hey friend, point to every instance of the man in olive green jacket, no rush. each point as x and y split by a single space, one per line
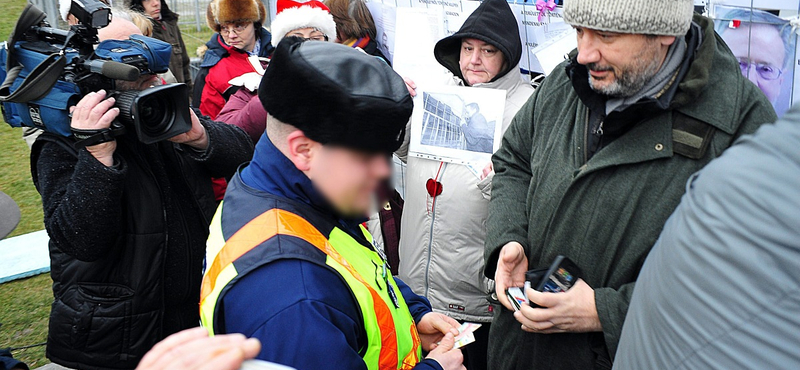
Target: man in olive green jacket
594 164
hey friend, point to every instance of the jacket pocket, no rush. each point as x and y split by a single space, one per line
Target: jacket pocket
102 324
103 312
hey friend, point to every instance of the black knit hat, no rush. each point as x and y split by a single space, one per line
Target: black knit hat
336 95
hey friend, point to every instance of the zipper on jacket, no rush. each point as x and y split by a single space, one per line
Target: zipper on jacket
586 138
166 238
430 237
598 132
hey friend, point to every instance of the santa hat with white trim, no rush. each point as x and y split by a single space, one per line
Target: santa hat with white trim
292 15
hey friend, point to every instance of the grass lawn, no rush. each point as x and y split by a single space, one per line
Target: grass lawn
194 39
25 304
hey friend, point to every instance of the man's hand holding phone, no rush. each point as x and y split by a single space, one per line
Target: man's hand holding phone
553 299
511 267
573 311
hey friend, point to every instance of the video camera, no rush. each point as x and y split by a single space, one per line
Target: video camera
46 70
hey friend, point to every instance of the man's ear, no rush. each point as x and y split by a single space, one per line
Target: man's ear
300 150
667 40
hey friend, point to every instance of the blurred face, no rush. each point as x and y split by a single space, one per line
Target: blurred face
479 62
620 64
760 52
308 34
347 178
152 8
239 35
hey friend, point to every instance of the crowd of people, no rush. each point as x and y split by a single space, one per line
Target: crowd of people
641 158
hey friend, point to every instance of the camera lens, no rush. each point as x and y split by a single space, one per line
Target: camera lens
156 114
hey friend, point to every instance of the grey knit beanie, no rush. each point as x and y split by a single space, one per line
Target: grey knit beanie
650 17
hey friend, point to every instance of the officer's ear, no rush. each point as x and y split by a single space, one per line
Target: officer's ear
301 150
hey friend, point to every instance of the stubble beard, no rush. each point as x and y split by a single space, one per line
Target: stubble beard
631 78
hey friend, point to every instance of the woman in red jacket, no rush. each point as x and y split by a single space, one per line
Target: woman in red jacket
241 45
311 21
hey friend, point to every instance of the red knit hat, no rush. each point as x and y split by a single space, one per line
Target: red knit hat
292 15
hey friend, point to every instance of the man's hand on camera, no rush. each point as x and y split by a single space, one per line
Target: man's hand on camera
196 137
95 113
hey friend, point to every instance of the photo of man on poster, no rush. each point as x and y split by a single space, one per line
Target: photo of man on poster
764 44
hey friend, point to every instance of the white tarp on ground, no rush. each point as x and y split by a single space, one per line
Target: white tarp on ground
24 256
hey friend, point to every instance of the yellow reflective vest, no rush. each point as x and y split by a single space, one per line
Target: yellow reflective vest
247 231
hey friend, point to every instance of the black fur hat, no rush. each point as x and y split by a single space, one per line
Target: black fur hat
336 95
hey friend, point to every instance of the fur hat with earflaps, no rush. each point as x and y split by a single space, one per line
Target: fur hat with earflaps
220 12
292 15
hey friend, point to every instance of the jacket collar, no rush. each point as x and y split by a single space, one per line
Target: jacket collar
714 65
509 82
271 172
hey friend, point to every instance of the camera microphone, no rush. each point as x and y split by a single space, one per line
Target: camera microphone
114 70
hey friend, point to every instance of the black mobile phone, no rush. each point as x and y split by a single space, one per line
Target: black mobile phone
559 277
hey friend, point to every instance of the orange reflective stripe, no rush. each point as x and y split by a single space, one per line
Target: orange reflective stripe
279 222
413 357
248 237
388 355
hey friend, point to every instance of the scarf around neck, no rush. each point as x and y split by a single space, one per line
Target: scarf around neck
357 43
658 83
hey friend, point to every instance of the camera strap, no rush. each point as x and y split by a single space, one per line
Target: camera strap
87 137
37 84
39 81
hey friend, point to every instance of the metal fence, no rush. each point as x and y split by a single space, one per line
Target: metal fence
192 12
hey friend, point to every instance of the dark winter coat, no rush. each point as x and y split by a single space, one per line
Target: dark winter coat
168 31
127 242
606 213
220 64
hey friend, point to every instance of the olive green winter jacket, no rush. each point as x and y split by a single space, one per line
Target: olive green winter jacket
606 213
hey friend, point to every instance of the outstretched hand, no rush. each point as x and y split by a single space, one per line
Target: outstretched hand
433 327
511 267
193 349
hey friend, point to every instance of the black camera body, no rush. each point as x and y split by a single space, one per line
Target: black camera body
46 70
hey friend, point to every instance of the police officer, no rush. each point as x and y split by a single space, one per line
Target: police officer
288 261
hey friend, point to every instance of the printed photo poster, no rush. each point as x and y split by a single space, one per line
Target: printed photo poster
538 29
765 46
384 15
456 13
519 13
457 124
757 4
417 31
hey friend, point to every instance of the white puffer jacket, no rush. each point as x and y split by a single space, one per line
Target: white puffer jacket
441 244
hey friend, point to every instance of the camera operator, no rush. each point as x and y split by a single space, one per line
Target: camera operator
128 224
